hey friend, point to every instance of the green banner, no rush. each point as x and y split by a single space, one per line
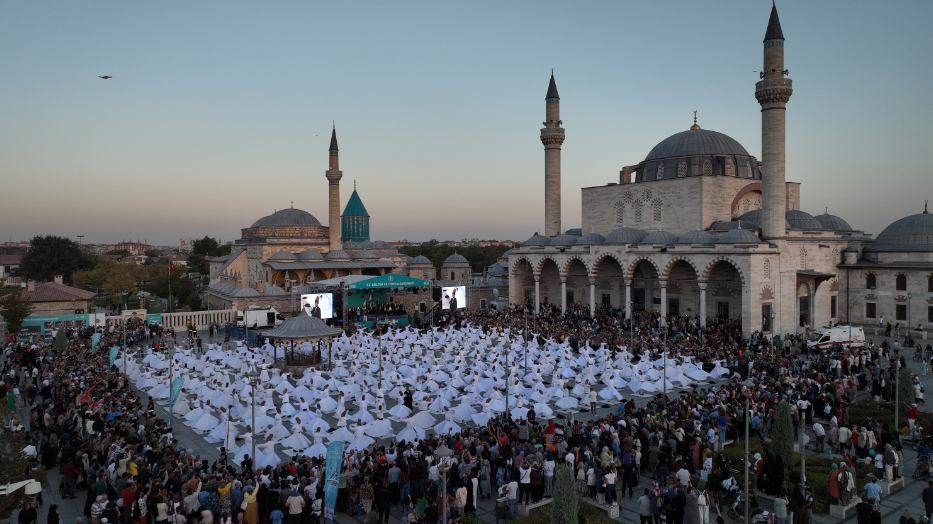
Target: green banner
389 281
153 319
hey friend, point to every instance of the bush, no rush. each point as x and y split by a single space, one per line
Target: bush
565 504
586 514
782 436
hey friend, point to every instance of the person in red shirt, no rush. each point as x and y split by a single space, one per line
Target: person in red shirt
911 415
129 496
68 473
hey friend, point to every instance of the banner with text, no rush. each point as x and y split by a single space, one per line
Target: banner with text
332 478
176 390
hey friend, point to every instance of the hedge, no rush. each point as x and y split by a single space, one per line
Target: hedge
818 470
588 514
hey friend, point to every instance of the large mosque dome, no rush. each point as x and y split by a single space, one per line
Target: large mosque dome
694 142
913 233
290 217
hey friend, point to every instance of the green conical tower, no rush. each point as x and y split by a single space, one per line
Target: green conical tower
354 223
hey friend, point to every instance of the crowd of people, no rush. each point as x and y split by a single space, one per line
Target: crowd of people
103 438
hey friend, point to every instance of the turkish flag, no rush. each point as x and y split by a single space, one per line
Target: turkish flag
171 267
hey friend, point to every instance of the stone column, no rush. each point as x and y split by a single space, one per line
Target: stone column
563 294
663 284
537 294
592 296
702 286
628 299
552 136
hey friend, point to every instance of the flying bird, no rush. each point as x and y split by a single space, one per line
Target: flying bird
105 77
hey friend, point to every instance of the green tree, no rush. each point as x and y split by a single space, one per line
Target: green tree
61 342
50 255
201 250
153 253
565 502
782 435
15 310
905 392
13 467
120 280
119 252
194 302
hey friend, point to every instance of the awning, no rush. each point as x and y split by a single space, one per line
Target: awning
806 274
303 327
389 281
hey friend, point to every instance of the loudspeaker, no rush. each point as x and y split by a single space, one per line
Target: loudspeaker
436 294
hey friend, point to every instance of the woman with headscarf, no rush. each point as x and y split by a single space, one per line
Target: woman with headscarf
832 482
629 475
759 470
656 496
252 506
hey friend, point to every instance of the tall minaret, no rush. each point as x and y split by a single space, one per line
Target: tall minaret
333 207
773 92
552 136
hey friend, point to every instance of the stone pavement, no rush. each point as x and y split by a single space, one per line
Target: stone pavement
892 505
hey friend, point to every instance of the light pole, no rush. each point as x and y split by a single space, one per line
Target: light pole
664 365
631 327
253 376
747 394
803 455
443 452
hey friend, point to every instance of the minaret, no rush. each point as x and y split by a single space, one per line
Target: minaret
333 207
773 92
552 136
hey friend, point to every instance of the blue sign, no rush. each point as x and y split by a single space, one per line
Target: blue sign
332 477
114 351
154 319
176 390
95 340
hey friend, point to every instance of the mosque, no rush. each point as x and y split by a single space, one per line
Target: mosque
702 227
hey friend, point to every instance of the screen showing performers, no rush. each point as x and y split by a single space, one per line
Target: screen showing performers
453 297
319 305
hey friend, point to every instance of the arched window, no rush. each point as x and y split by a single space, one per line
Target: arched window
767 269
660 170
803 259
730 167
656 203
900 283
453 276
748 169
620 213
707 168
682 169
870 281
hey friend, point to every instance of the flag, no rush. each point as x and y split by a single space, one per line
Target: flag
176 390
332 477
171 267
114 351
95 339
86 396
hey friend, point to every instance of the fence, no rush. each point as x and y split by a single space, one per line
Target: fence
182 319
237 333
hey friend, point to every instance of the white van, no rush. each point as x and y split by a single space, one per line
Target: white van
830 336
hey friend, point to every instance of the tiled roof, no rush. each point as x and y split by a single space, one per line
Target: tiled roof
329 264
10 260
52 292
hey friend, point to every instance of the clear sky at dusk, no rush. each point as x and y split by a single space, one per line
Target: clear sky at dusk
219 113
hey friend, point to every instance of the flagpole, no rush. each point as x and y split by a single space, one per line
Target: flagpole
170 286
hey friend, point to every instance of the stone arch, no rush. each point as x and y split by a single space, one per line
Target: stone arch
709 268
565 268
754 186
515 267
540 265
602 256
670 266
630 271
766 293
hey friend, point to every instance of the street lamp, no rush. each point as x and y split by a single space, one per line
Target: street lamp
747 394
253 377
443 452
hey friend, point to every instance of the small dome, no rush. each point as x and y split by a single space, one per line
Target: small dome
274 291
591 238
913 233
697 237
290 217
563 240
577 231
659 237
696 142
337 254
310 254
832 222
625 235
498 270
455 259
538 240
420 259
364 254
380 244
505 256
242 292
800 220
283 256
754 216
349 244
739 236
495 282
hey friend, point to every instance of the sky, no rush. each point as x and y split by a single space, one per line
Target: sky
220 112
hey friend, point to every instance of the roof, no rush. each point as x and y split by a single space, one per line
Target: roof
10 260
52 292
832 222
577 231
455 259
355 207
590 238
625 235
801 220
420 259
696 142
537 240
310 254
563 240
302 327
289 217
364 254
659 237
227 260
774 26
283 255
913 233
739 236
551 88
337 254
330 264
697 237
333 139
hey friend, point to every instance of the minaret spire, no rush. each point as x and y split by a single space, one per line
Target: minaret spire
552 136
333 189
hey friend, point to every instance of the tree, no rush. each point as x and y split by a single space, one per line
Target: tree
201 250
13 465
119 252
565 502
153 253
905 392
782 436
120 280
194 302
15 310
61 342
50 255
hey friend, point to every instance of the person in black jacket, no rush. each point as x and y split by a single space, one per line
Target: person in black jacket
384 502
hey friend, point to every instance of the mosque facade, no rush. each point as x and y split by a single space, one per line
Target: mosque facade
701 227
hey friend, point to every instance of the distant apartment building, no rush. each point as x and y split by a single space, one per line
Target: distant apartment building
135 248
187 244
